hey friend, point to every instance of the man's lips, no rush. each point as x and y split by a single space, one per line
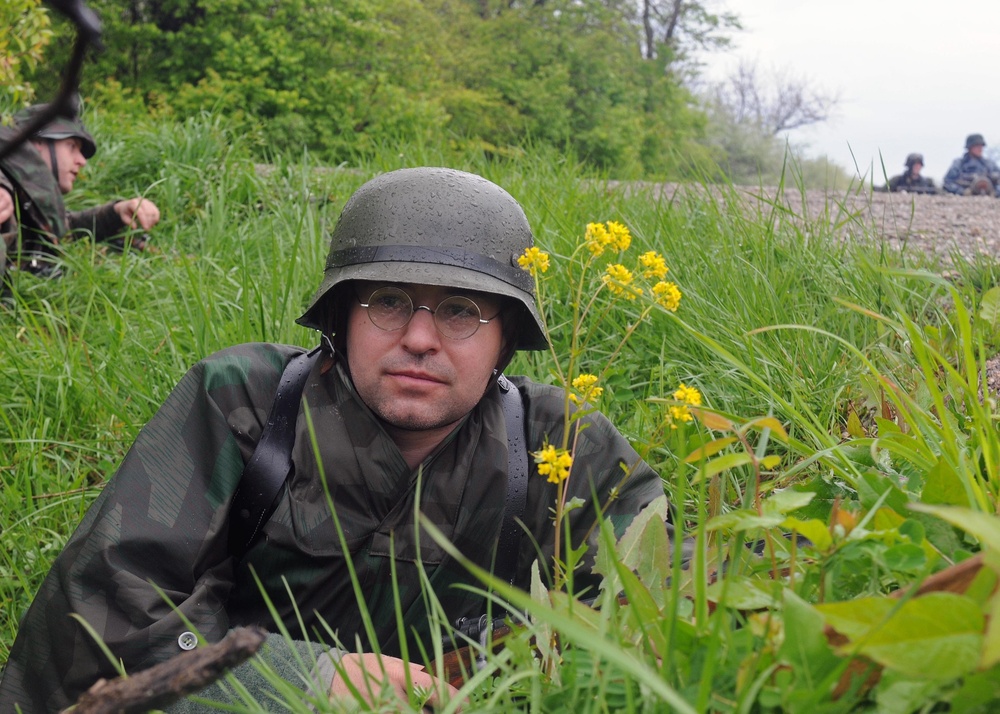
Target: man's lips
416 376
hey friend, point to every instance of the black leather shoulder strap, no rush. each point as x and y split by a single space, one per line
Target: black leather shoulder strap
268 468
505 566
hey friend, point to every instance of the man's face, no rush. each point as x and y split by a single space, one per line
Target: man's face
916 168
414 378
69 155
976 150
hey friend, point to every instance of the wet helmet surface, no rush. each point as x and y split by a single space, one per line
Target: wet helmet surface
433 226
61 127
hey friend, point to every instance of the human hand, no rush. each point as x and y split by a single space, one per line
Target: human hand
368 673
6 205
138 210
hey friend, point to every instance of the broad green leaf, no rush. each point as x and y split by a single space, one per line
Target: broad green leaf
769 462
740 594
991 643
771 423
644 547
983 526
813 529
712 420
886 426
989 309
742 520
854 427
905 557
855 618
710 449
805 647
787 500
720 464
943 486
936 636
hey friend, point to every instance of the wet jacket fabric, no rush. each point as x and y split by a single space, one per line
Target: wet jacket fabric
163 518
39 208
912 184
966 170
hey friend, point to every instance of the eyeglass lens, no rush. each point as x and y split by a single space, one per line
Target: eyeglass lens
456 317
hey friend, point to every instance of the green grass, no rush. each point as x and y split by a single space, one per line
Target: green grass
868 360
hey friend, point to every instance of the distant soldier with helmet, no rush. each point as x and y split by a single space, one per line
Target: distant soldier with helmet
973 174
912 181
403 409
33 180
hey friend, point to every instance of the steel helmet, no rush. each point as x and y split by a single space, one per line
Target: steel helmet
914 159
433 226
62 127
974 140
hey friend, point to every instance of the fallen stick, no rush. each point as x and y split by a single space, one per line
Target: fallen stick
163 684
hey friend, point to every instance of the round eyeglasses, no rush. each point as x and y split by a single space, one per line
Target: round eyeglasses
455 317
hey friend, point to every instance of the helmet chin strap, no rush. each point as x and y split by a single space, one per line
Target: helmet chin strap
53 161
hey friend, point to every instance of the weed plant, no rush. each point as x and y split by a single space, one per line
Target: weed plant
840 400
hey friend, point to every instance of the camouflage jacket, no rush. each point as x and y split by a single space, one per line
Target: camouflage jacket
967 169
912 184
163 519
39 210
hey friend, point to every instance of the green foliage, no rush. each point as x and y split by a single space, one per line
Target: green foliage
22 45
841 401
344 80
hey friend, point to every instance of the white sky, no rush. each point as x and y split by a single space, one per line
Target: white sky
912 75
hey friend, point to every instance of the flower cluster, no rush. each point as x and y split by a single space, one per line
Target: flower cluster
619 279
601 236
534 261
688 397
553 463
586 389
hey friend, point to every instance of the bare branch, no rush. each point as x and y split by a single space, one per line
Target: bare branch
165 683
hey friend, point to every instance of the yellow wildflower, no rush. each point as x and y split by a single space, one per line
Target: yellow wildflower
553 463
654 265
668 295
618 278
688 395
585 385
534 261
620 236
680 412
597 238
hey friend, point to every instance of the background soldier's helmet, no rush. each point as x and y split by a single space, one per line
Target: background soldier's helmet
974 140
433 226
59 128
914 159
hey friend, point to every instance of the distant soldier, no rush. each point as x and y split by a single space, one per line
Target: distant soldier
33 180
912 181
973 175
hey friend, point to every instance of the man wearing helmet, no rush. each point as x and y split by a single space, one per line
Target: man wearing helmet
33 180
421 307
973 174
912 181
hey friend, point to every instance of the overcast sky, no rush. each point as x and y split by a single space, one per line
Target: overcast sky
912 75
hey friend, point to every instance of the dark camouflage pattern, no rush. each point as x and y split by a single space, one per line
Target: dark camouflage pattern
41 220
163 518
912 184
968 170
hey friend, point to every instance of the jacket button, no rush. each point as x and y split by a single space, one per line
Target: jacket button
187 641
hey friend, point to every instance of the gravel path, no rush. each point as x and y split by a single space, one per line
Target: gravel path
946 226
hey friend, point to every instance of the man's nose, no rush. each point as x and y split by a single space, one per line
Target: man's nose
420 333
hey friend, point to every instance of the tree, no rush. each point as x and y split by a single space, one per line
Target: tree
679 26
779 103
22 47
